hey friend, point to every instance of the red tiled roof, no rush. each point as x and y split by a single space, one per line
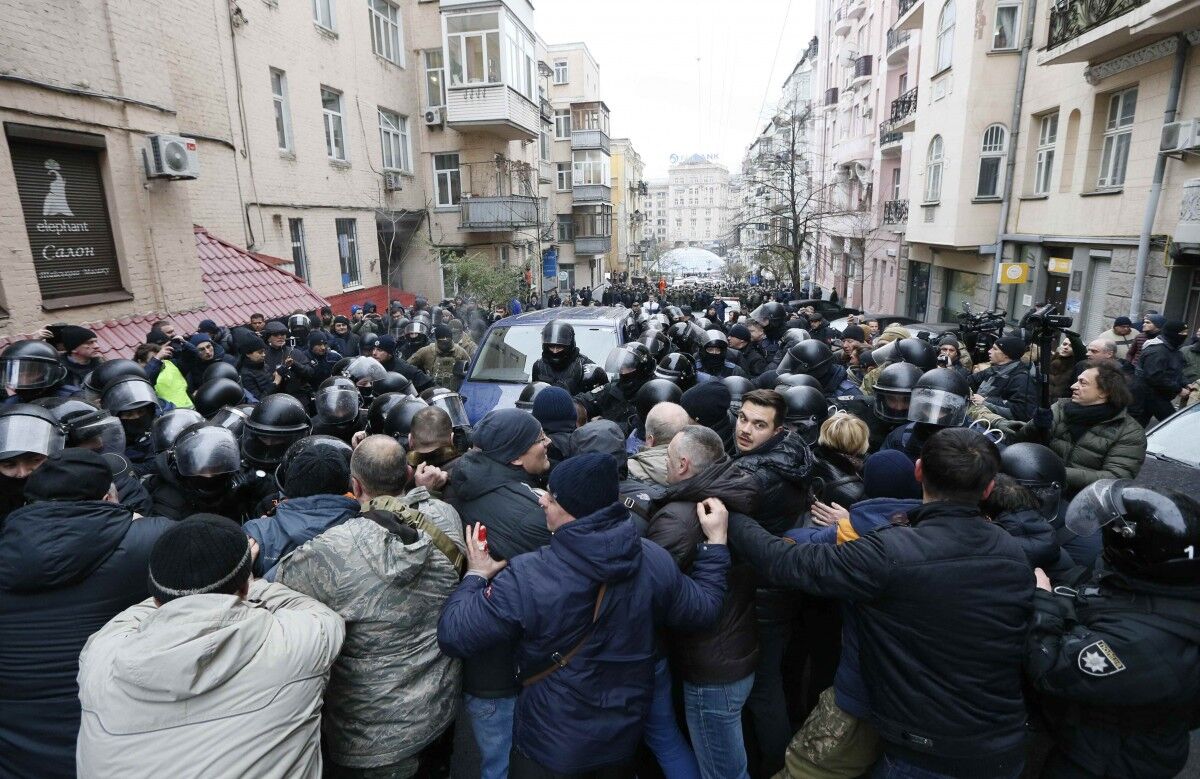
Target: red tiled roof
381 294
237 283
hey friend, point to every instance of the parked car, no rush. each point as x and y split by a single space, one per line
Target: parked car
826 308
1173 451
931 330
503 363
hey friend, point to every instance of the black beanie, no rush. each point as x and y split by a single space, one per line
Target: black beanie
1012 346
72 336
72 474
740 331
441 332
247 342
707 403
585 483
204 553
313 472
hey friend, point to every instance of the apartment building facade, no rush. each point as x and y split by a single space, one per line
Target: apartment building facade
697 197
630 193
657 211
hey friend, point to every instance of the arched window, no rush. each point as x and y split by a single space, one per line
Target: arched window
991 161
945 37
933 171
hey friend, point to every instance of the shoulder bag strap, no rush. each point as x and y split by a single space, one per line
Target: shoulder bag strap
561 660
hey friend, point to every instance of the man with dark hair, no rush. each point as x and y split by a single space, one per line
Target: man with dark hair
778 457
216 675
1006 387
928 593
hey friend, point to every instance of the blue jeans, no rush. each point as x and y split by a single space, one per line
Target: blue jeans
492 724
661 732
890 767
714 718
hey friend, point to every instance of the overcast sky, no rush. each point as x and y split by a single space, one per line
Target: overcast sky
661 97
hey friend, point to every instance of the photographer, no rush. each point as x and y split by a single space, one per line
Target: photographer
1006 388
289 364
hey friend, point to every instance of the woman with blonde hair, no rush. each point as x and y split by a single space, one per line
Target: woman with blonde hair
841 447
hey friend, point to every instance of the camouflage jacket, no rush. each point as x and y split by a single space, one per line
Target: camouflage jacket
391 691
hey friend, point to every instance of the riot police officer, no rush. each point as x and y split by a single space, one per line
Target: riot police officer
132 400
561 363
939 399
30 370
1116 658
28 435
816 359
339 411
714 356
199 469
630 367
442 360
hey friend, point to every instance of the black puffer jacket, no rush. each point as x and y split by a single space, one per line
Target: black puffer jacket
1010 390
173 500
66 568
1035 535
728 651
840 475
782 467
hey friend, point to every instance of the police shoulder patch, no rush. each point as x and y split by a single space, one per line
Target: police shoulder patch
1098 659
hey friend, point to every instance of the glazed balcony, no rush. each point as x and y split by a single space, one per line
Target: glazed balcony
589 139
595 244
591 193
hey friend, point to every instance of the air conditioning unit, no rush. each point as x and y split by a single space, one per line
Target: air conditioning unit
171 157
392 181
435 117
1180 136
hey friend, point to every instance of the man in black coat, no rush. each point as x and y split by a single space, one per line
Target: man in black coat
1158 376
942 599
1006 388
70 560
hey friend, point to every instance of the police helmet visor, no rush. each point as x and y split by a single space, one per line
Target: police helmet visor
558 334
231 418
1095 506
621 360
337 404
206 450
452 404
28 374
892 405
128 395
167 428
937 407
268 447
365 369
104 435
24 433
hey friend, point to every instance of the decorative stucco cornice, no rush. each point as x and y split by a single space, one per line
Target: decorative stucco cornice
1164 48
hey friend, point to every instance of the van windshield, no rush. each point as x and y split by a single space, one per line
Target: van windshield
508 353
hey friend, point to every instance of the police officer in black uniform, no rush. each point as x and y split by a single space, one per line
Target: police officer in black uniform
1116 658
630 367
561 363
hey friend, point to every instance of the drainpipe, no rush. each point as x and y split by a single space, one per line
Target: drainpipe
1010 164
1160 172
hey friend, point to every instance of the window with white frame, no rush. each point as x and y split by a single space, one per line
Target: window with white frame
1008 15
544 143
473 44
560 72
299 252
945 37
394 140
1118 132
335 127
387 38
562 176
933 170
447 180
324 13
991 161
519 60
283 112
1044 167
896 184
435 79
566 228
347 238
562 124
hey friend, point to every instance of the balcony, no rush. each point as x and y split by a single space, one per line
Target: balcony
498 213
895 212
912 14
862 71
851 150
904 111
589 139
497 109
591 193
897 47
889 140
841 21
1090 30
831 97
598 244
545 172
856 8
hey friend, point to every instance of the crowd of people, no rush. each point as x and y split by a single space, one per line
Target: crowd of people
746 545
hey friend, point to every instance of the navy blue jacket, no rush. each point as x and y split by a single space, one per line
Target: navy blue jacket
589 713
295 522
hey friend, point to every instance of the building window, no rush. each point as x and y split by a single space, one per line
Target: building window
446 180
544 143
335 135
283 117
473 43
590 166
394 139
1008 14
1047 136
347 237
560 71
1118 132
991 158
435 78
933 171
386 36
562 178
945 37
566 228
593 221
562 124
299 253
323 14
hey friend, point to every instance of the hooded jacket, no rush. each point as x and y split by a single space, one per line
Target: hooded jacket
296 520
589 713
391 691
728 651
66 568
208 685
782 466
1160 368
650 465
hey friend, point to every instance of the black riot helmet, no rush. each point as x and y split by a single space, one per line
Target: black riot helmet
593 377
394 382
128 393
677 368
654 392
31 365
656 343
1038 469
766 380
686 336
811 357
26 428
365 371
417 330
449 401
793 336
675 314
168 427
398 422
221 370
325 445
528 393
380 406
397 325
893 391
714 351
276 423
86 424
206 457
298 326
916 351
233 418
367 343
212 396
770 315
336 403
788 380
558 334
738 387
1148 534
109 370
630 358
939 398
807 409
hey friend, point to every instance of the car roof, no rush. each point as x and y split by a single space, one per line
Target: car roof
585 315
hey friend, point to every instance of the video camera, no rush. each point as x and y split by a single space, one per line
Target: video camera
1042 321
979 331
